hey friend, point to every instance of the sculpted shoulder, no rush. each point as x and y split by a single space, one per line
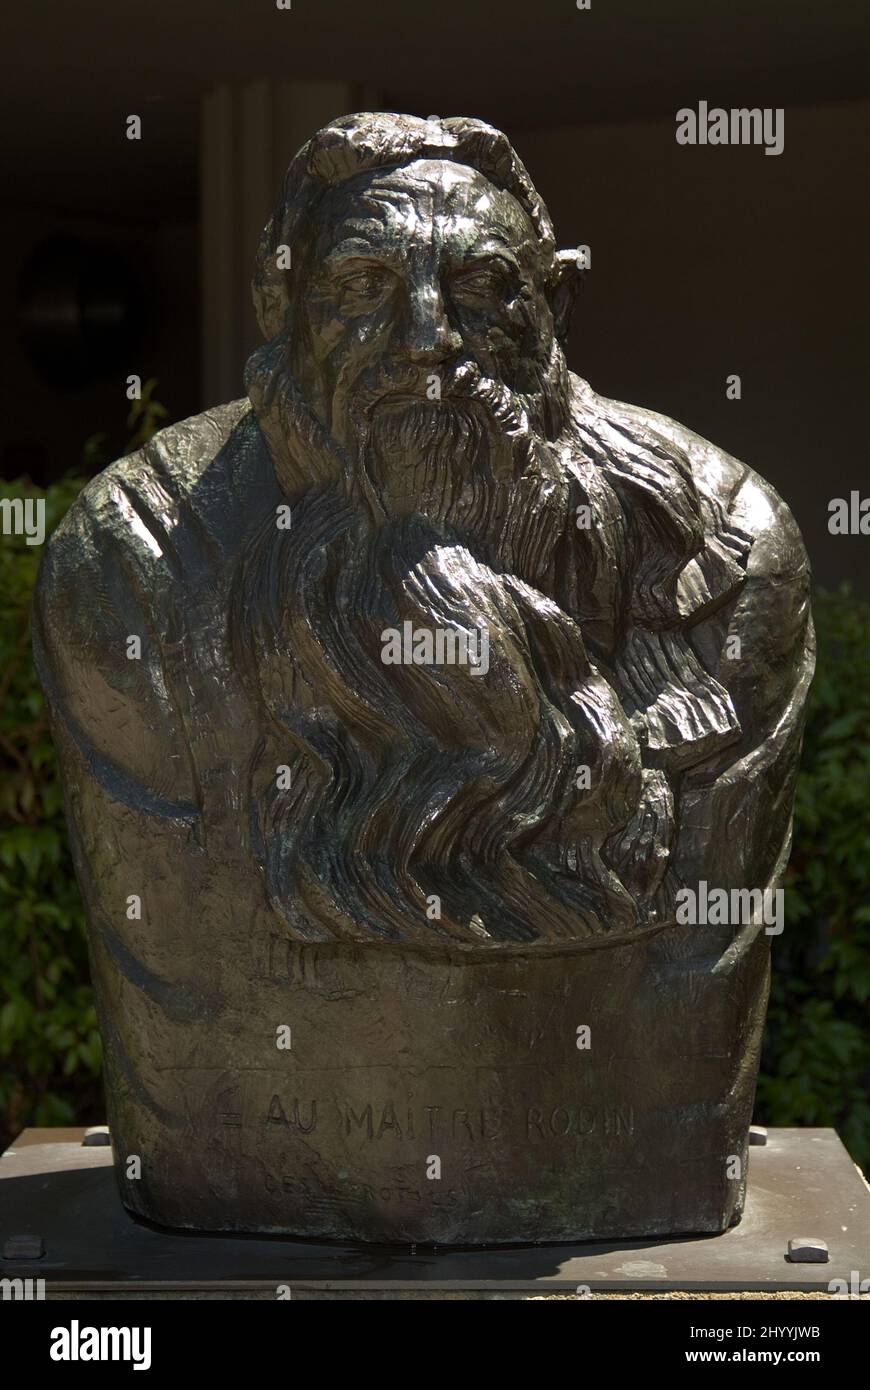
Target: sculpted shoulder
742 497
146 501
168 512
767 671
147 540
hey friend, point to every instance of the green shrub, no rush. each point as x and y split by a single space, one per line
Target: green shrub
50 1052
816 1061
49 1044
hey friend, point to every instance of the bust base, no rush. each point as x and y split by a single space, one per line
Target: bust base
802 1185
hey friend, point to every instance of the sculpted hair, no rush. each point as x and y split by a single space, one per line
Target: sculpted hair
408 783
356 144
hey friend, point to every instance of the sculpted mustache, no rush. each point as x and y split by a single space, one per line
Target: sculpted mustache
462 381
493 404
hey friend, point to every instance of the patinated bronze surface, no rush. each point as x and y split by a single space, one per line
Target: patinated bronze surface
452 678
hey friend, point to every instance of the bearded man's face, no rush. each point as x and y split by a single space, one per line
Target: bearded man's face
416 404
427 271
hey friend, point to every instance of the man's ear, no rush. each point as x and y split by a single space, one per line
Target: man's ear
568 270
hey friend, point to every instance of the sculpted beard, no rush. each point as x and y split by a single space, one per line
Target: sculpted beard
481 462
418 785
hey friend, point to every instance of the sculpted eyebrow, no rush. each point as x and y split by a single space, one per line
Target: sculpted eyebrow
484 256
495 241
356 249
364 226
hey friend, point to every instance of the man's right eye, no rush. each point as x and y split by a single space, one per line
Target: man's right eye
365 284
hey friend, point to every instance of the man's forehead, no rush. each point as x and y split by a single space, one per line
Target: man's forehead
409 200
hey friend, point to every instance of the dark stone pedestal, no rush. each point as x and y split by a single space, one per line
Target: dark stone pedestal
803 1187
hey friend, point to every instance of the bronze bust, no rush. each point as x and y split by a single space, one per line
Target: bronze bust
455 687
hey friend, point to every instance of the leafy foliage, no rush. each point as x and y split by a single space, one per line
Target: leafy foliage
50 1051
49 1044
816 1061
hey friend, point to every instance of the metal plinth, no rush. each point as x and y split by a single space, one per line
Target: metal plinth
802 1187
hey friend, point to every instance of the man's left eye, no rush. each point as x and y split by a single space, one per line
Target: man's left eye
483 282
365 282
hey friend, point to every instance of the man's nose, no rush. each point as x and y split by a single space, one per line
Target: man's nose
429 335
